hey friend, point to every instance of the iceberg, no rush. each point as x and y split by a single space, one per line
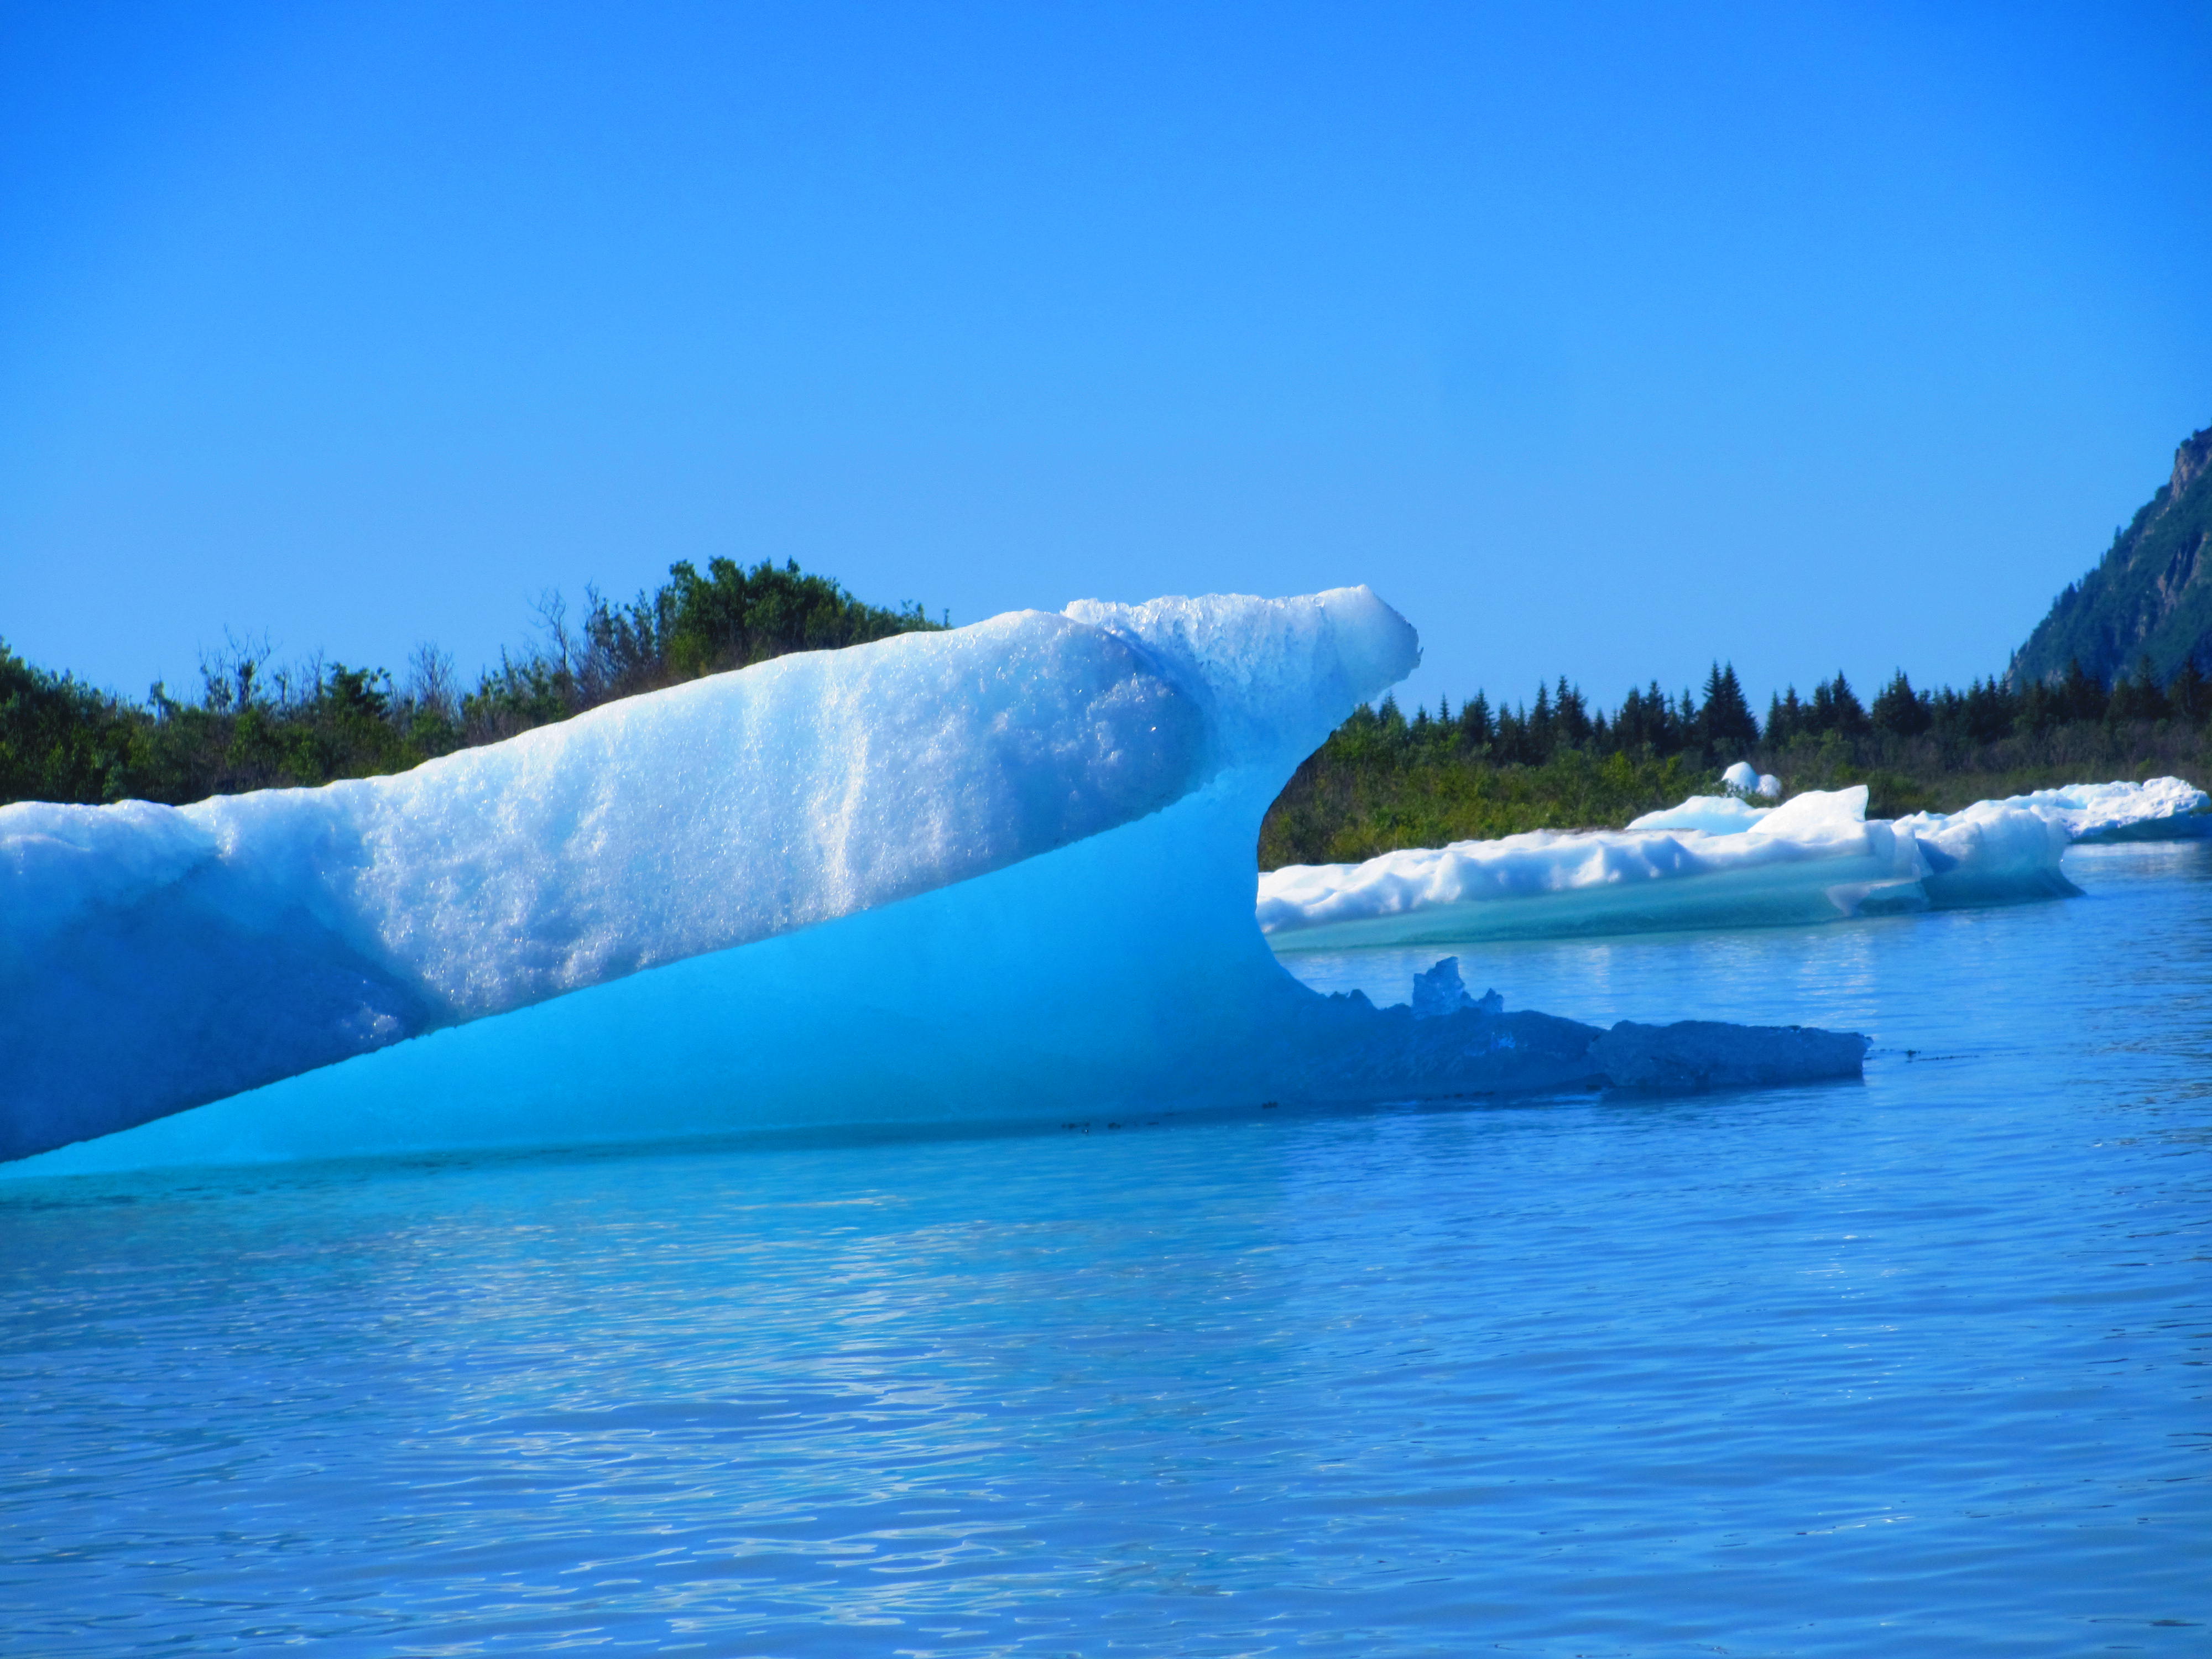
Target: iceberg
999 873
2163 809
1714 861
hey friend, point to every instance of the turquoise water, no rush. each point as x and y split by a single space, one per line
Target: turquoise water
1912 1367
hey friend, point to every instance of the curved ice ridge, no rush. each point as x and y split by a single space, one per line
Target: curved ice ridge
1712 862
1002 873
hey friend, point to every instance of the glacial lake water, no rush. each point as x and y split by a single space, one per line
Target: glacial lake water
1918 1366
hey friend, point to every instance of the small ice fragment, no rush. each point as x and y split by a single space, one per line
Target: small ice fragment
1770 786
1491 1003
1441 991
1741 778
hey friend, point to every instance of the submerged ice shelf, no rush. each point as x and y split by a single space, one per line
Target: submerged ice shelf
1002 873
1718 861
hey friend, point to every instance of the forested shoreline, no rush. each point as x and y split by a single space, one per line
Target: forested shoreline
255 724
1384 780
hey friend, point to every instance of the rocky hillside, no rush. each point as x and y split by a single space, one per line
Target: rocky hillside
2151 595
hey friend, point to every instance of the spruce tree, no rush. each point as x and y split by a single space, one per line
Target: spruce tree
1727 722
1991 710
1848 713
2190 692
1571 714
1474 724
2137 697
1631 726
1902 711
1542 733
2082 696
1512 741
1785 718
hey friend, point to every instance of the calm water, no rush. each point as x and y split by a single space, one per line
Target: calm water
1915 1367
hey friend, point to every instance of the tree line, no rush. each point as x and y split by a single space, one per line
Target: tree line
1385 780
1721 726
252 723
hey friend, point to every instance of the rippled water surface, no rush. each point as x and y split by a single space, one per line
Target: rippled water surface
1916 1367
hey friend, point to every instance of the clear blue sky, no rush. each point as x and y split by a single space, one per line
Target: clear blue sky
1600 340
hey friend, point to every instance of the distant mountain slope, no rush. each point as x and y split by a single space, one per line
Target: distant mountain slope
2151 594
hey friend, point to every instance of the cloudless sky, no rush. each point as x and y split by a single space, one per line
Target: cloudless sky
1601 340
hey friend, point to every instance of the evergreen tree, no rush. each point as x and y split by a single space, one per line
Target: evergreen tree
2138 697
1640 723
2081 696
1727 722
1542 730
1785 718
1669 735
1902 711
1511 747
1991 710
2041 708
1571 714
1835 708
2190 692
1475 723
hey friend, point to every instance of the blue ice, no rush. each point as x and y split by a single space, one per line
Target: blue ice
1002 873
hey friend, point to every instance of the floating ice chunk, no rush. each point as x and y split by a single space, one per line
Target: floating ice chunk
1991 852
1769 786
1441 991
1816 858
1000 872
1696 1054
2164 809
1741 779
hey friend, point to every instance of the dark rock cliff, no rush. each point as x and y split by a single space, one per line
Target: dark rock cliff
2150 595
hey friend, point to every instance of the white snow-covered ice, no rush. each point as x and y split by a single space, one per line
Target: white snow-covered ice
1715 815
1744 778
1714 861
1004 872
2164 809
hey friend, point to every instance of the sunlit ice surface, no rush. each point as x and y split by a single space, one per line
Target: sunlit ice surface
1910 1367
999 873
1002 869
